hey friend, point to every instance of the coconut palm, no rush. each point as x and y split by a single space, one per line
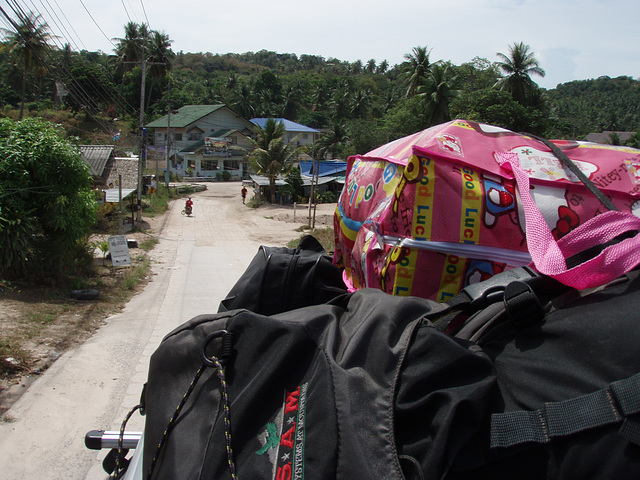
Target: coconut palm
436 93
28 47
159 56
415 68
271 156
360 103
518 66
332 141
130 48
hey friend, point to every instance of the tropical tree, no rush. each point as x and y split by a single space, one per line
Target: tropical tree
383 67
159 56
130 49
360 103
333 141
371 66
28 48
271 156
415 68
436 94
517 67
242 100
44 222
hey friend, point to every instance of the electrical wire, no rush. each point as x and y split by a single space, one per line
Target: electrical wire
79 95
75 90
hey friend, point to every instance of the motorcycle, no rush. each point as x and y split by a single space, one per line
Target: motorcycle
187 211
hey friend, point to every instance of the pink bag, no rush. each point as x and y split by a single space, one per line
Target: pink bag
430 213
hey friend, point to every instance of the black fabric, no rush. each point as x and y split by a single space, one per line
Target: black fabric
346 357
365 386
568 367
280 279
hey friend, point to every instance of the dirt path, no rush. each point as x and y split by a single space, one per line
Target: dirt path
195 263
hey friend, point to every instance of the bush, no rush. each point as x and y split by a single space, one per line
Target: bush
327 197
49 209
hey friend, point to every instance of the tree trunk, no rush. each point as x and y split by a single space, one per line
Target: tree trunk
272 190
24 94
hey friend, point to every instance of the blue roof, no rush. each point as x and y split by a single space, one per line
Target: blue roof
288 125
326 167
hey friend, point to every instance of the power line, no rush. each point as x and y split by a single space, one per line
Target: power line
145 13
94 21
80 95
125 10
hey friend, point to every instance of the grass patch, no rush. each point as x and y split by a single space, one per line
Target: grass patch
13 358
134 275
37 322
148 244
324 235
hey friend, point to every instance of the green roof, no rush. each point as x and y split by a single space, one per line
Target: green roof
186 115
223 132
193 147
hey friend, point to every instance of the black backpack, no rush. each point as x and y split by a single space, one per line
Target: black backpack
280 279
520 377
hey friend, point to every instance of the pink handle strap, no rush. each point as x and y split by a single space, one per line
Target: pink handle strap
549 257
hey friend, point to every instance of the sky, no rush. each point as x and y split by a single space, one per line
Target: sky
572 39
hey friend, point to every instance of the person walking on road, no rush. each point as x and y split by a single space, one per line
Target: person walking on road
244 193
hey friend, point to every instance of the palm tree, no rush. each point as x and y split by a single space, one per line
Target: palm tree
242 101
290 102
332 142
159 56
28 47
371 66
415 68
518 67
130 49
271 156
436 94
360 103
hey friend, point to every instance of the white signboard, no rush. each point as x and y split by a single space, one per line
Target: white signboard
119 250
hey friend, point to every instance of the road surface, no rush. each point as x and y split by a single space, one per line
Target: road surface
195 263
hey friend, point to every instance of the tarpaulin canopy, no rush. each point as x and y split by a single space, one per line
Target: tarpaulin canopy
326 168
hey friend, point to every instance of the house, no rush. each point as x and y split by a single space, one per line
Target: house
193 129
109 171
226 149
330 176
306 135
607 136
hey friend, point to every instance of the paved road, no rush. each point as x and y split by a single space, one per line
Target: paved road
195 263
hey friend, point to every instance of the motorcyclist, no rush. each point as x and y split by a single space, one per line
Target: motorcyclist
188 206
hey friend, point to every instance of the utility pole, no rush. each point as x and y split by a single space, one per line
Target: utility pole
166 153
141 156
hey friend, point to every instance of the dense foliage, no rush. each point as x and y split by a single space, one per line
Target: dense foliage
368 103
47 207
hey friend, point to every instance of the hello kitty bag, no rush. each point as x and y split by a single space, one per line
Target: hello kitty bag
428 214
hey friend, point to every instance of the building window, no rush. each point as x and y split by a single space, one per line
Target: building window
231 164
209 165
178 137
193 136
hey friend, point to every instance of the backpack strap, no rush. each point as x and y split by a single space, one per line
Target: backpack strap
570 164
613 404
517 291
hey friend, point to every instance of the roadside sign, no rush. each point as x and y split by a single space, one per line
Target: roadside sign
119 250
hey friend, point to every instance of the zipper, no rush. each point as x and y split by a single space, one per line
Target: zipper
481 252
